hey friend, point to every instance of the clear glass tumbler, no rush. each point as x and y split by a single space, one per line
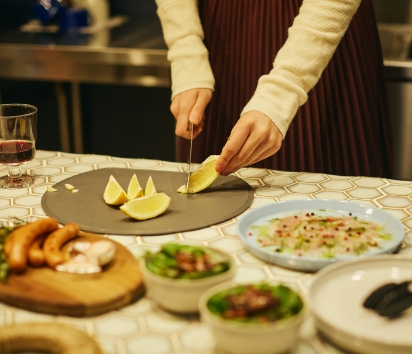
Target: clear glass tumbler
18 132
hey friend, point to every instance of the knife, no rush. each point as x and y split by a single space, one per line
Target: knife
189 156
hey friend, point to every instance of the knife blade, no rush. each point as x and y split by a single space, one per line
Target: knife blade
189 156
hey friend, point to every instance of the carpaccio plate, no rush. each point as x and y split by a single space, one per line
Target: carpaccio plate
321 207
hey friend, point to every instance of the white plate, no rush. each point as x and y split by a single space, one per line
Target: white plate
324 207
337 294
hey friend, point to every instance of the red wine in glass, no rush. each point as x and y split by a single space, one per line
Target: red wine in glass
16 152
18 132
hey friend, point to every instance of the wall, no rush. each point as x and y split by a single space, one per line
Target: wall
393 11
133 7
395 19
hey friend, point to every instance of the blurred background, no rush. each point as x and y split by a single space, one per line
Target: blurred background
106 90
113 92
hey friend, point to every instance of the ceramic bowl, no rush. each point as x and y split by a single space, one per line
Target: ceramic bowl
251 338
182 295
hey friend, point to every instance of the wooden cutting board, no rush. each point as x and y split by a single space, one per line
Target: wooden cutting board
48 291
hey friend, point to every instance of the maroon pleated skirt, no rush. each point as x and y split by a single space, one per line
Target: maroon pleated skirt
343 128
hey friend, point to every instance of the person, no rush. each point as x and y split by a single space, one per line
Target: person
246 72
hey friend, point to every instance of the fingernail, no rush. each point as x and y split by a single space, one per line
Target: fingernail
195 120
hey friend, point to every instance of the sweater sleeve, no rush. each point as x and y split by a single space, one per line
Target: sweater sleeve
183 34
312 40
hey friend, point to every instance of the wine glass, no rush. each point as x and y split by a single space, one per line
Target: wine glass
18 132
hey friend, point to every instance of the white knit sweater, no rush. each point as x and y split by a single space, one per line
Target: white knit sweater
312 40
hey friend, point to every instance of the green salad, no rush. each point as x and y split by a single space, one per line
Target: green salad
186 262
5 231
256 303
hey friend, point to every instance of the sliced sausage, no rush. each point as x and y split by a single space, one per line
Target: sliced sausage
52 246
36 254
19 241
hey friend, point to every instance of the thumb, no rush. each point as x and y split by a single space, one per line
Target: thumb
197 113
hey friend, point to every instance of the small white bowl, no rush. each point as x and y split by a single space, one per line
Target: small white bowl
251 338
182 295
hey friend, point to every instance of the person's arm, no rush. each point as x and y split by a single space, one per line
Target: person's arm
192 77
313 38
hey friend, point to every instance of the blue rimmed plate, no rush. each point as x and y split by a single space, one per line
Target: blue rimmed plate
262 215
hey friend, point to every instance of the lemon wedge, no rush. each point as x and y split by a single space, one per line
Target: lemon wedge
203 177
134 190
150 187
114 194
146 207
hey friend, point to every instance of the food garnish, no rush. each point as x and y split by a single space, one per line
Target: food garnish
114 194
5 231
186 262
150 187
203 177
260 303
69 187
134 190
133 203
51 189
321 236
146 207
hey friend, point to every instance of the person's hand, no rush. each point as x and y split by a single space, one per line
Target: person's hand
253 138
189 106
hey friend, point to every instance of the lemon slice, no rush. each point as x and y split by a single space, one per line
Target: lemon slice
203 177
134 190
146 207
114 194
150 187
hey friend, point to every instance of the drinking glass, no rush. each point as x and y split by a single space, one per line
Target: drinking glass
18 132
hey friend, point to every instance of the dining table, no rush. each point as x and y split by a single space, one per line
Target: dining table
143 326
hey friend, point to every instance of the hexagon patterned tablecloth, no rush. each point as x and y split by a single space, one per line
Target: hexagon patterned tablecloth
144 327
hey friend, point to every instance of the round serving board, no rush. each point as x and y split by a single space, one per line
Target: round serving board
225 199
48 291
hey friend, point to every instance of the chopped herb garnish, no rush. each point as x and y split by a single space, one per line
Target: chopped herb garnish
5 230
186 262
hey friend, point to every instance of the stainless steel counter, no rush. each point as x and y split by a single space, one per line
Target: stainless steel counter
134 66
133 53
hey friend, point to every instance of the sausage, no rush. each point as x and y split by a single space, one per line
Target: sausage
36 254
52 246
19 241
